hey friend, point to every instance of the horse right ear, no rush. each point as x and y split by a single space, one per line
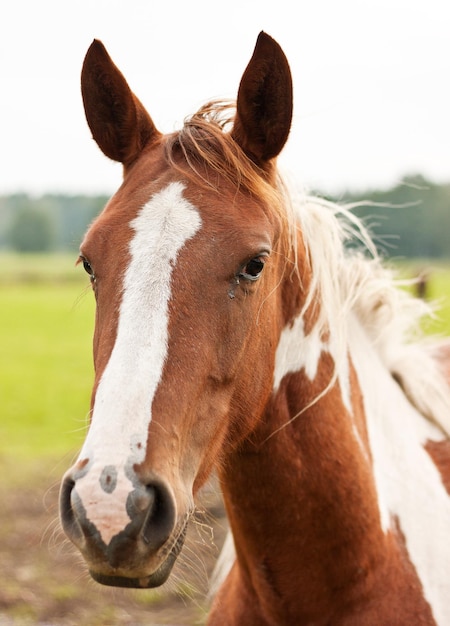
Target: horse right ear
118 121
264 103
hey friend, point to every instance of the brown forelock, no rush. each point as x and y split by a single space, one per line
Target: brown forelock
206 153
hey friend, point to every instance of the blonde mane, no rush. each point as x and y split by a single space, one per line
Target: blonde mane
349 277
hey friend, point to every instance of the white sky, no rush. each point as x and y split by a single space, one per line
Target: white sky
371 83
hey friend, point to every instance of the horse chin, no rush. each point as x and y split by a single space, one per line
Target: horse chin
156 579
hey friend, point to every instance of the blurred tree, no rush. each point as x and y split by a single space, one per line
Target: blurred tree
31 231
410 220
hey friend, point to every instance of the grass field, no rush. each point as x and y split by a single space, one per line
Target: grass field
46 373
437 292
46 321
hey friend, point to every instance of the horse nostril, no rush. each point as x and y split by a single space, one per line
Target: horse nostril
67 515
152 513
160 518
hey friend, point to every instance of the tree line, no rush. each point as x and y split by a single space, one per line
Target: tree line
52 222
409 220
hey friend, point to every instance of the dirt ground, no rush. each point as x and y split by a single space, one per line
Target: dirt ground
45 583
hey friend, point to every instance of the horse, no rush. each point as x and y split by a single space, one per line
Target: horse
238 331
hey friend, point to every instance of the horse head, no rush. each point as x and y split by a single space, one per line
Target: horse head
186 263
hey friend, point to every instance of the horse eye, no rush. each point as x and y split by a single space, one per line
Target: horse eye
88 268
252 270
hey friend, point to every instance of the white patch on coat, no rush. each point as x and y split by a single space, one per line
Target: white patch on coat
297 351
122 411
408 483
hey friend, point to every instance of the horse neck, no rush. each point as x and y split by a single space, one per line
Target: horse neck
308 460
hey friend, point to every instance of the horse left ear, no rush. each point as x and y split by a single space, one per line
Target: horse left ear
264 103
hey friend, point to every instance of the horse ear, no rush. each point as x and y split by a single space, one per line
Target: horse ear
118 121
264 102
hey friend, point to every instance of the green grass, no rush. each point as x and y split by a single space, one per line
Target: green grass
437 292
46 373
46 368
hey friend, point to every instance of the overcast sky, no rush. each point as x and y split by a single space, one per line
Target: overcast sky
371 83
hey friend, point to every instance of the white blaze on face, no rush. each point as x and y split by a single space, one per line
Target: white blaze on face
122 412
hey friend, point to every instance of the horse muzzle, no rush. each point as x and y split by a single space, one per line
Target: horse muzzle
128 538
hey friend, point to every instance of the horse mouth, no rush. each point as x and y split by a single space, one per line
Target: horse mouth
155 579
